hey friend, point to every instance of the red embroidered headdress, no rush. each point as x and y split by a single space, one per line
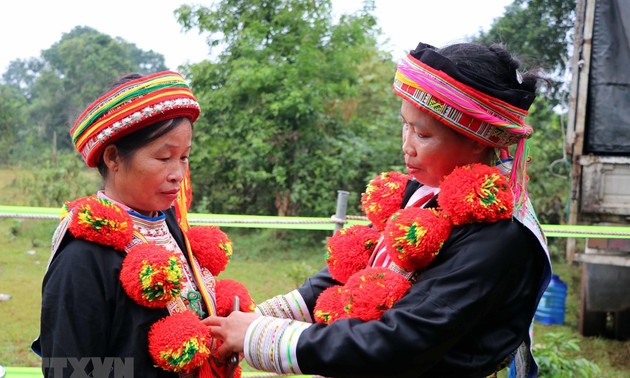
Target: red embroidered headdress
492 115
130 107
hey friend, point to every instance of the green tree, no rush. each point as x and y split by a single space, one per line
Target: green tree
71 73
294 107
11 121
540 33
548 170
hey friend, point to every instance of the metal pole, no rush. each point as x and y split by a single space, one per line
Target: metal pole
342 208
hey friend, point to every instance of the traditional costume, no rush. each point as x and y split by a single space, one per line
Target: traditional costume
126 286
445 281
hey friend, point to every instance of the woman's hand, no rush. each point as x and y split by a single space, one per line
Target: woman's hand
231 330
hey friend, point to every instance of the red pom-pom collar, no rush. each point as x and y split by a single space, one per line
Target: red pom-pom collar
151 276
413 236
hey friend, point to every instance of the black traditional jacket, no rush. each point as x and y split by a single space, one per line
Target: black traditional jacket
464 315
86 312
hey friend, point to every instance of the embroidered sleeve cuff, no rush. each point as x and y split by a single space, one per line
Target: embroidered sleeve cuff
271 343
288 306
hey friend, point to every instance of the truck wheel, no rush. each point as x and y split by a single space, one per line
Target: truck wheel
591 323
621 325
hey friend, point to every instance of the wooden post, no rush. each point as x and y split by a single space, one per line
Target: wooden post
342 208
580 64
54 149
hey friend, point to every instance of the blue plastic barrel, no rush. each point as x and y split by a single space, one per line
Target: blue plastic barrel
551 308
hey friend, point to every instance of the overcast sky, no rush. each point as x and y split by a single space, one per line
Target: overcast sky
29 26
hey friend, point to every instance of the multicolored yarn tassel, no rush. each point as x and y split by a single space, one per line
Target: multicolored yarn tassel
518 176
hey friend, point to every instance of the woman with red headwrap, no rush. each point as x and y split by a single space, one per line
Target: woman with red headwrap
446 280
129 281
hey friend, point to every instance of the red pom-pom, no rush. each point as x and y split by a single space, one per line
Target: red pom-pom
414 236
211 246
69 205
372 291
476 193
349 250
226 290
151 275
328 307
101 221
179 342
383 197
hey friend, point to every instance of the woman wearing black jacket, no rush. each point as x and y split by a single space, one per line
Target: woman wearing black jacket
451 287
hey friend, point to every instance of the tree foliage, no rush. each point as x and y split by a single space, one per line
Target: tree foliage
548 169
11 121
295 104
68 75
295 107
539 32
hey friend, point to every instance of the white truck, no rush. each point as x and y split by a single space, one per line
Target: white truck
598 144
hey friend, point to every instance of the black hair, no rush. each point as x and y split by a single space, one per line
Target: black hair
493 64
491 70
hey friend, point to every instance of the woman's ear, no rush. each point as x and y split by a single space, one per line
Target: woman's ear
111 158
478 147
482 151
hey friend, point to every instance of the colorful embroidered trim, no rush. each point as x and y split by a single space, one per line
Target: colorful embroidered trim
270 344
129 107
482 117
288 306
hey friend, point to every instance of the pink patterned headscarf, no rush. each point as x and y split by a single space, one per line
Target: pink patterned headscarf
478 115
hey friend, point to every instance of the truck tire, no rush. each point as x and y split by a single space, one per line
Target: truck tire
591 323
621 325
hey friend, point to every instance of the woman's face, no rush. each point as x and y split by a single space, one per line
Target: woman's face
150 178
432 149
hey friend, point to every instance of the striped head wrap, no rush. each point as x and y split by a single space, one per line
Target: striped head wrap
129 107
471 106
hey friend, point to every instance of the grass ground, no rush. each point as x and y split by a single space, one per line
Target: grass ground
267 262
